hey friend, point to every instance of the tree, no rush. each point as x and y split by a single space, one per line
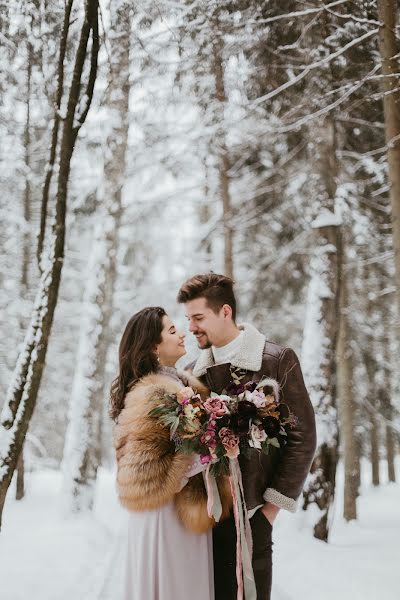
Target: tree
82 453
388 46
346 399
320 333
24 387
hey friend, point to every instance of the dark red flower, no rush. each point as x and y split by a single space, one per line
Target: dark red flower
234 389
271 426
247 409
239 424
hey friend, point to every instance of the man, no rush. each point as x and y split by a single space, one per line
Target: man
271 482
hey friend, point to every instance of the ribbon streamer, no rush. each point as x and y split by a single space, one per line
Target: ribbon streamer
244 544
214 505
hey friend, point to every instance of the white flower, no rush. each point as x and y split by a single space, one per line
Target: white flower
256 397
257 436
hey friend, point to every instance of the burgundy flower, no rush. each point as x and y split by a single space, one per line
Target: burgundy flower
247 409
239 424
234 389
271 426
224 421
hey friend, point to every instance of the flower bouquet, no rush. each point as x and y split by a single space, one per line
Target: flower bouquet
244 416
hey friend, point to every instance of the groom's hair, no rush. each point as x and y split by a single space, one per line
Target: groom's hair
216 289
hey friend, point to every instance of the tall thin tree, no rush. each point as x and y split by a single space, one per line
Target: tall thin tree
23 390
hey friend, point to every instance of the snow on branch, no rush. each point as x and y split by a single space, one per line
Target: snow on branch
319 63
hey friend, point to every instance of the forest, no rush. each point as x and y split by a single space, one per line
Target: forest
143 142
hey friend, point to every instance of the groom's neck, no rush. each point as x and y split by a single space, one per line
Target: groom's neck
230 333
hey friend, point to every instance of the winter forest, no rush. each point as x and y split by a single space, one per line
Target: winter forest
141 143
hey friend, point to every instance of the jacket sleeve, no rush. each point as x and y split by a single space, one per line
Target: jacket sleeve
298 453
149 471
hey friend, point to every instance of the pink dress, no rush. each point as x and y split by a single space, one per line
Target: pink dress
164 560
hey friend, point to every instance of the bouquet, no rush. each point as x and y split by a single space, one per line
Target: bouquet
244 416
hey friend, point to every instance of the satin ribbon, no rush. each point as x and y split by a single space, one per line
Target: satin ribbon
244 543
214 505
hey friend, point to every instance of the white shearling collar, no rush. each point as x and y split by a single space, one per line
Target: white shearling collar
249 356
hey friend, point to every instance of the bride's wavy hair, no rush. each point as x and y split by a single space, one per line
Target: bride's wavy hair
137 356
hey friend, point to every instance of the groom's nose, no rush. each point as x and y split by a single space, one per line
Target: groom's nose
192 327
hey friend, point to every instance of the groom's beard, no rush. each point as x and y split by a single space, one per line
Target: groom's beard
203 343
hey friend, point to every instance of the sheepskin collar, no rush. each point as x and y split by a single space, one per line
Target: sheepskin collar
249 356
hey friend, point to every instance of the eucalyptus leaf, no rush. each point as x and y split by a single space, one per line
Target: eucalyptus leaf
274 442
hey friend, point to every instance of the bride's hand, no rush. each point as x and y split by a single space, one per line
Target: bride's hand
194 468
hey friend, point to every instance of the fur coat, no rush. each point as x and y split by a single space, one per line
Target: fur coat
149 471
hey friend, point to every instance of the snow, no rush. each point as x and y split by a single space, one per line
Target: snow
47 556
326 219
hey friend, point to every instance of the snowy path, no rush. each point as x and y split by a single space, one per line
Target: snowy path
45 556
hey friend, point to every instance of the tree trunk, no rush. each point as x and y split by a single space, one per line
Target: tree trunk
390 454
223 156
82 453
26 235
387 12
24 387
346 402
388 413
374 441
20 489
319 341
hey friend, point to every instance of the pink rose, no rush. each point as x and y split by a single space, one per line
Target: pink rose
216 406
208 439
184 395
230 442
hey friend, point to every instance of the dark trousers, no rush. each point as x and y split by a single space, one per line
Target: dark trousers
224 547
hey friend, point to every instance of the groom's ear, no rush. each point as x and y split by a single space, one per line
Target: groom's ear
227 311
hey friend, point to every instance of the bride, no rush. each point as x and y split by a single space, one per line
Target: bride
169 530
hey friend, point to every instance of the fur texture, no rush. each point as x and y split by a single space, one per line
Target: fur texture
149 471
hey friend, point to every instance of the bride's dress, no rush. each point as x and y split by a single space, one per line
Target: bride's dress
164 560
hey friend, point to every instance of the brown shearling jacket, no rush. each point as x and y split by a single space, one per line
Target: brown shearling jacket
278 477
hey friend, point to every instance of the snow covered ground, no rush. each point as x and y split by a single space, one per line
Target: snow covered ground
46 556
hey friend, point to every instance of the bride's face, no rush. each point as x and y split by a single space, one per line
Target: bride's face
172 345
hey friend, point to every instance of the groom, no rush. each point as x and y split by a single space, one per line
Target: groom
271 482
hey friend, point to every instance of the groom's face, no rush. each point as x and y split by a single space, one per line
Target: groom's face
206 325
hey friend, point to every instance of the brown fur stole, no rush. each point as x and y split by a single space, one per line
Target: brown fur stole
149 471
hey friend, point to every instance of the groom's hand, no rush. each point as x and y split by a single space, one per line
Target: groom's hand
270 511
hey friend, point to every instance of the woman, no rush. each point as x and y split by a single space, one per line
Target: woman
169 531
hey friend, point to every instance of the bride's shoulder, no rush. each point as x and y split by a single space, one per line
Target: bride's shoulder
148 388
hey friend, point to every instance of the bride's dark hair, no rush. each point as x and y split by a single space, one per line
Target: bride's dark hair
137 357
